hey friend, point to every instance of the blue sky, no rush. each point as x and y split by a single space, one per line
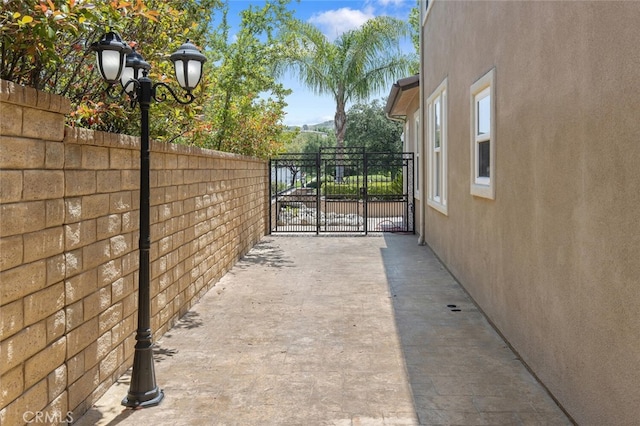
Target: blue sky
332 18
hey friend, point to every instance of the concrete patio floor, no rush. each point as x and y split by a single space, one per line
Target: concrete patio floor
336 331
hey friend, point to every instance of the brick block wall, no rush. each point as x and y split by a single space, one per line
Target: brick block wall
69 212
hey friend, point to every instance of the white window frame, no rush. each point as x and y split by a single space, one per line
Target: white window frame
483 186
437 155
418 150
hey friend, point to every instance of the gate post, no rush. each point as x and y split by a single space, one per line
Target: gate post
365 192
270 198
318 192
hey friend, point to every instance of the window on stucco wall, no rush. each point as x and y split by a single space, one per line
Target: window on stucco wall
437 148
483 141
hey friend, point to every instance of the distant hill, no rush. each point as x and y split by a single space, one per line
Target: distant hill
314 127
330 124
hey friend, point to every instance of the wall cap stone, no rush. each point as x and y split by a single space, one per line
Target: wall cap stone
81 136
171 148
16 94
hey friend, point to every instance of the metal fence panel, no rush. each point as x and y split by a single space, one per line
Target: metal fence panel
343 190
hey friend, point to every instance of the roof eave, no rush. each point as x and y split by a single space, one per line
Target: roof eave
398 89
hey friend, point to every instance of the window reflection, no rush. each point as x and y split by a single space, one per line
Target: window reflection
484 115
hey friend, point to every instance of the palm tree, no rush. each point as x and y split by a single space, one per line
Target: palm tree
357 64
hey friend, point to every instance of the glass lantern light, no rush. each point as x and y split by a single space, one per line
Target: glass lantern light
132 71
187 61
111 54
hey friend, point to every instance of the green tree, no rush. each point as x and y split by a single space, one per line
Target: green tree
368 127
311 141
414 23
356 65
245 111
238 108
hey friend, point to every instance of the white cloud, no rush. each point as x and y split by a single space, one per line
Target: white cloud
396 3
332 23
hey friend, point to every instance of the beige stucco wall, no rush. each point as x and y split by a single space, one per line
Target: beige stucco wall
69 220
554 260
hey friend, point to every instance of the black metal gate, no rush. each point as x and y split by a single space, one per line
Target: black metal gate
342 190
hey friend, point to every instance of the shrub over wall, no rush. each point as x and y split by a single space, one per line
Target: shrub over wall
353 190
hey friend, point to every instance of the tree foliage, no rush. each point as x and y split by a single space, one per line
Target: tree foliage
311 141
44 45
246 105
239 106
368 127
415 25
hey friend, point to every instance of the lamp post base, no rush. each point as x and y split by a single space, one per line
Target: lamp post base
143 391
143 399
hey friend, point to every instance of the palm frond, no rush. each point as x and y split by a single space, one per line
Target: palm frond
356 65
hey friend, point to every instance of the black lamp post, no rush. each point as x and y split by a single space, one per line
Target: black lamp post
118 62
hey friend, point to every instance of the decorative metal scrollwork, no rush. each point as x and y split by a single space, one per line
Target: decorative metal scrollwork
163 97
132 92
